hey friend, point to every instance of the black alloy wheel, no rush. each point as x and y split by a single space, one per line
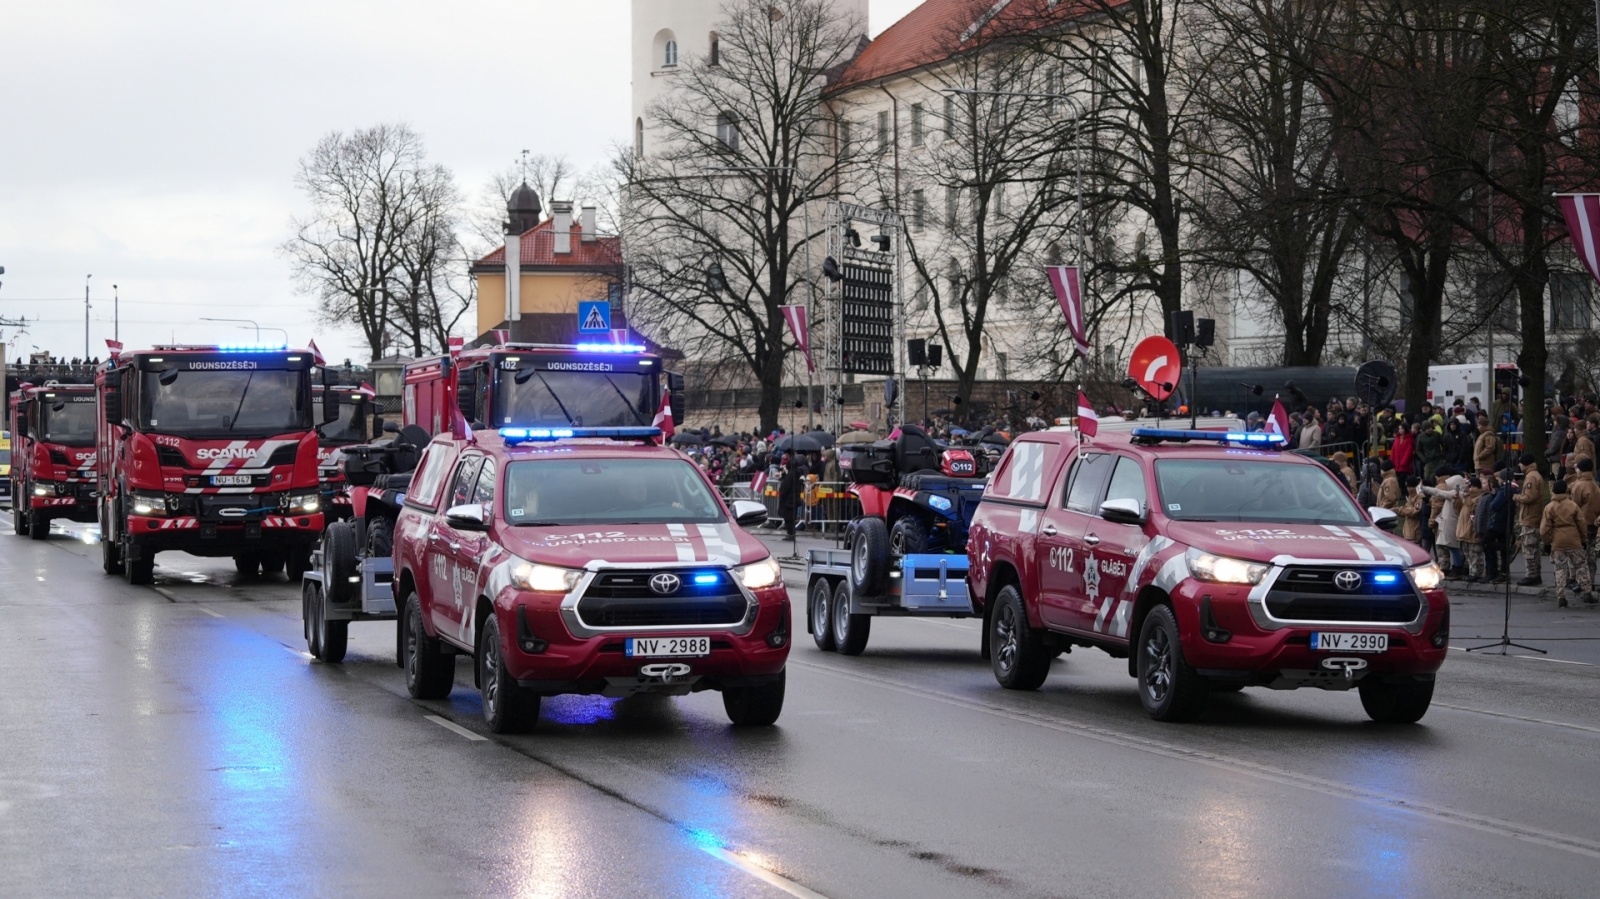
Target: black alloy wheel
908 536
755 706
508 708
1397 702
1016 652
430 670
1169 689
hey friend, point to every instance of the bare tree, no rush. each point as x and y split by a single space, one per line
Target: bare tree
380 215
747 145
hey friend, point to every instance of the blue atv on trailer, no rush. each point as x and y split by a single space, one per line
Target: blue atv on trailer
907 553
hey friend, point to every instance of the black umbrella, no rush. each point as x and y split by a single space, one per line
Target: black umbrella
729 442
806 442
686 438
995 437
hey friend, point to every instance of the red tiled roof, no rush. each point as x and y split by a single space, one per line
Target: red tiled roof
538 251
933 32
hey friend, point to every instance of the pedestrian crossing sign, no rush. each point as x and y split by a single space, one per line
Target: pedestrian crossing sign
594 316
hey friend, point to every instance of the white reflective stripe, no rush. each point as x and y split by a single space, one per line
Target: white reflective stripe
1335 529
1027 479
685 552
1119 626
1362 552
677 530
1029 521
1100 619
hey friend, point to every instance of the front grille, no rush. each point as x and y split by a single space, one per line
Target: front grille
59 459
1311 594
209 506
170 456
624 599
283 455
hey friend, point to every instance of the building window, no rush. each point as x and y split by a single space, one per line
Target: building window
1569 301
714 57
669 54
949 117
844 137
883 131
952 208
998 198
916 124
919 209
638 138
919 297
1001 365
728 130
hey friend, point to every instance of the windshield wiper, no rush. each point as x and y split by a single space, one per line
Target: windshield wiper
559 404
242 394
624 397
534 524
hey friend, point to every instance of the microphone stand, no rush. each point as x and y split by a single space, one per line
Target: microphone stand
1505 629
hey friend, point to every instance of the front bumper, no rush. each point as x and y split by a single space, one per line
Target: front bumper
569 663
1281 656
214 538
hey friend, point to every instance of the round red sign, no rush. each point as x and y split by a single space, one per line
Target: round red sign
1156 366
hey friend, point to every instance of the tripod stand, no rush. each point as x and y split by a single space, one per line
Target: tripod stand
1505 630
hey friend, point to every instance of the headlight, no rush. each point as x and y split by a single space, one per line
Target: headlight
1223 570
544 578
762 574
43 489
149 504
940 503
305 502
1427 577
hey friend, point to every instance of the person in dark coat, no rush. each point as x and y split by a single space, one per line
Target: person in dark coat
789 492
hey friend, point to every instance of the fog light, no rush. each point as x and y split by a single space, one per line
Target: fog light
1210 629
780 635
526 640
1442 635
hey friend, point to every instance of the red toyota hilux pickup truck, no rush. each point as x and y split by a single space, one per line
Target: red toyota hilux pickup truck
1212 562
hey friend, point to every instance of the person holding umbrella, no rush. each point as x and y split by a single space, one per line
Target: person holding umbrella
789 492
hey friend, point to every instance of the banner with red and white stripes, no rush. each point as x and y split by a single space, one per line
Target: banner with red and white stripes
1064 280
1088 422
1278 421
801 329
1582 212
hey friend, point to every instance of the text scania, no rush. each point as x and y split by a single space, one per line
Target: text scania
227 452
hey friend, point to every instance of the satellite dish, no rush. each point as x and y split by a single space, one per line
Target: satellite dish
1375 382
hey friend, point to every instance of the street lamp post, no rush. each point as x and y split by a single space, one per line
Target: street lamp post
116 314
246 321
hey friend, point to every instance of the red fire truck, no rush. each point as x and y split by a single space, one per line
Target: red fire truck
210 450
52 454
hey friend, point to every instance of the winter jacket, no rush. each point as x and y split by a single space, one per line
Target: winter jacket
1531 500
1556 447
1466 513
1404 454
1583 447
1430 452
1561 526
1585 492
1485 451
1411 518
1500 508
1483 517
1446 516
1310 436
1390 494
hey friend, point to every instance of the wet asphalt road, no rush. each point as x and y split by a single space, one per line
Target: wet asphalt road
178 742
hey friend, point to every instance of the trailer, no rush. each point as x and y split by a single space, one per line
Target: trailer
847 588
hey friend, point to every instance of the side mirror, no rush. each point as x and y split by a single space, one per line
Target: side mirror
467 517
113 406
1122 511
677 398
749 514
389 427
1383 518
330 406
167 376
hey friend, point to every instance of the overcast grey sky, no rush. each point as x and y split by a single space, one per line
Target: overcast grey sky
154 144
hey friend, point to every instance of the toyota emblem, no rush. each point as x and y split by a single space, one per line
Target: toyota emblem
1347 580
665 584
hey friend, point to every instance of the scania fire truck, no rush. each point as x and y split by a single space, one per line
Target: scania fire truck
210 450
52 456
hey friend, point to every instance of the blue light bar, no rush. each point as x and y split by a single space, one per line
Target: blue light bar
610 348
1385 577
524 435
706 579
253 347
1253 438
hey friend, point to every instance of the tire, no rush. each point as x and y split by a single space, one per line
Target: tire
19 521
38 525
1016 651
297 563
507 707
310 608
272 563
247 565
380 538
339 561
907 536
1396 703
331 637
821 618
850 632
138 572
430 671
110 549
869 558
757 706
1169 689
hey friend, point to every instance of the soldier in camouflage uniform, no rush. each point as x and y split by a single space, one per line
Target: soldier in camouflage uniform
1561 524
1530 505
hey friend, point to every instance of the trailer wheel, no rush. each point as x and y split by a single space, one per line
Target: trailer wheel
339 560
869 558
328 638
849 631
821 619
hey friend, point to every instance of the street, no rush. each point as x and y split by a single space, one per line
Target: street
178 741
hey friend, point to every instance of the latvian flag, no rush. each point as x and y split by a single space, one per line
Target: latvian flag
758 484
1278 421
1088 422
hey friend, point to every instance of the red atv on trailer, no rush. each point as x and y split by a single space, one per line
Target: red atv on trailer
345 425
52 453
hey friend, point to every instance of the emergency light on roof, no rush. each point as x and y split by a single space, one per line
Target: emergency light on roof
1253 438
253 347
610 348
526 435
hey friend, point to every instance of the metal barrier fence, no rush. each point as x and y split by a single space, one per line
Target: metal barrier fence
824 506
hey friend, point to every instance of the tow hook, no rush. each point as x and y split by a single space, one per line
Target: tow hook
666 671
1349 666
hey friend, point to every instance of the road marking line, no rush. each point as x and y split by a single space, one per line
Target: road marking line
1463 708
1258 770
456 728
299 652
164 592
211 613
760 873
1562 661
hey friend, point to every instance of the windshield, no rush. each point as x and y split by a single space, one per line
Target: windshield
72 425
582 399
1246 490
350 428
607 491
5 457
261 402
